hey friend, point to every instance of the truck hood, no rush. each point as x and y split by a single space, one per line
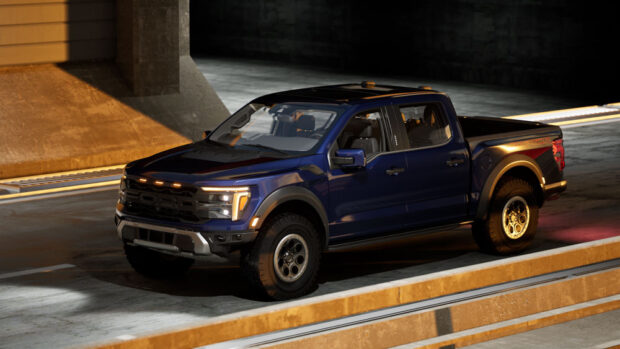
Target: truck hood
206 160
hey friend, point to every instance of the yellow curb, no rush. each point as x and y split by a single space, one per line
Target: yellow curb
526 116
580 121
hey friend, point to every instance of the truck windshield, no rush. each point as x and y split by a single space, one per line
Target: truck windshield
285 128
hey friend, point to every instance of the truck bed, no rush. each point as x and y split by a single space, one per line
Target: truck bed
478 129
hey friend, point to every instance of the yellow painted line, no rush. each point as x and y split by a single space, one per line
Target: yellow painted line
548 112
66 173
580 121
62 189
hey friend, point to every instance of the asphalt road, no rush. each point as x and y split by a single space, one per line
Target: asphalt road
96 297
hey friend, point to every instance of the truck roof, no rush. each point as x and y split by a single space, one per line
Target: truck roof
344 93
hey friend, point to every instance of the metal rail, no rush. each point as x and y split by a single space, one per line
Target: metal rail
354 320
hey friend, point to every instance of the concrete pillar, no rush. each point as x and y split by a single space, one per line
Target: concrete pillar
148 39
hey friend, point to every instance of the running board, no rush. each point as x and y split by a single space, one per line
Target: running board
393 237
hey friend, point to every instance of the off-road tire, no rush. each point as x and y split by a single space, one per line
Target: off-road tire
491 234
154 264
259 266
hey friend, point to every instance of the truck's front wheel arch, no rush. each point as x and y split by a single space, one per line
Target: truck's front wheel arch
298 200
303 209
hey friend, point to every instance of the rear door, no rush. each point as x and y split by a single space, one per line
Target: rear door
367 201
437 175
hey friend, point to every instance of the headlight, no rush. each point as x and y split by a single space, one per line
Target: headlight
226 202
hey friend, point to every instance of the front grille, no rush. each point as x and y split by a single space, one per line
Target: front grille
161 202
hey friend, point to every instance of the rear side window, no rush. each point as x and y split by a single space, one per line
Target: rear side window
363 131
426 125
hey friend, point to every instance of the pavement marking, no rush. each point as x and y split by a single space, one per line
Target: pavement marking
125 337
61 189
36 271
587 120
562 113
609 345
576 116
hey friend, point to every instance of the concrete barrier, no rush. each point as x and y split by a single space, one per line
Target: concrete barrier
470 314
336 305
518 325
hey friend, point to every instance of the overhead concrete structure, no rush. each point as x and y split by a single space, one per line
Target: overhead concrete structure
149 61
117 84
45 31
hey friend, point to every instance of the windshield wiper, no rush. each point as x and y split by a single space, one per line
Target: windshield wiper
265 147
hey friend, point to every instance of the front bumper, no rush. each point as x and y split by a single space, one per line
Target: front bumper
188 243
154 236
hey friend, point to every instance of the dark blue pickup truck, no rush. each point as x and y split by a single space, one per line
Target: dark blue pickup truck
297 173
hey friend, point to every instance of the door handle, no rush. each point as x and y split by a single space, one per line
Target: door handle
454 162
394 171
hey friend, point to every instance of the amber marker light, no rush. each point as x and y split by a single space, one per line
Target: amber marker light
160 183
142 180
176 185
254 222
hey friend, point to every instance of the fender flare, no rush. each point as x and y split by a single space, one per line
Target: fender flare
507 164
290 193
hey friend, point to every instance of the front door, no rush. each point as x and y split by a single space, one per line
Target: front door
369 200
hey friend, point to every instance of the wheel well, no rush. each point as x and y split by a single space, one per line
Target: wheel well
529 176
303 209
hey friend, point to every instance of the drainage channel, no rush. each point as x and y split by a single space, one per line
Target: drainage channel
342 323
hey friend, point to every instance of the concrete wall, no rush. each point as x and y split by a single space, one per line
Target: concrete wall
43 31
554 45
95 105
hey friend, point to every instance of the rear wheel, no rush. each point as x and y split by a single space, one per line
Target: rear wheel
284 261
155 264
512 219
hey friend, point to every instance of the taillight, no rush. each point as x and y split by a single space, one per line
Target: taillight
558 153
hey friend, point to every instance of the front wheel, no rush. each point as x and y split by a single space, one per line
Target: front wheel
284 261
512 219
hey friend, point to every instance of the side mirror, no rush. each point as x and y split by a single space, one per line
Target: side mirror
206 134
350 158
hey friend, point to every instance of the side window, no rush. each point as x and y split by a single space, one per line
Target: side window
363 131
426 125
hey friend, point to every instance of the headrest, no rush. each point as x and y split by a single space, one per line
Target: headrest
366 132
429 112
305 122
